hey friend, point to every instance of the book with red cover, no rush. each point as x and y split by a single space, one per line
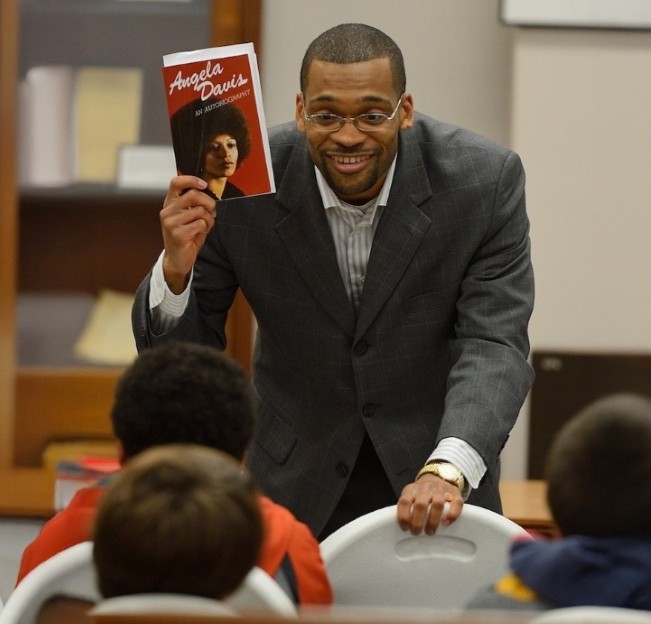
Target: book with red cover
219 133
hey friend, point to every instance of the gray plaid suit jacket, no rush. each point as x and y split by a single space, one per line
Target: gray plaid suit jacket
437 348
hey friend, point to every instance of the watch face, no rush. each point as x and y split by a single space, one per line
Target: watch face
446 471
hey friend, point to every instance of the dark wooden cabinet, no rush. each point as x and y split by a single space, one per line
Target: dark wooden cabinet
567 381
86 239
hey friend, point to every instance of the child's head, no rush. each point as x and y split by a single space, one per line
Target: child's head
184 393
177 519
599 469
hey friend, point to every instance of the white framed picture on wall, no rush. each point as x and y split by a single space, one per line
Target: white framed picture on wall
628 14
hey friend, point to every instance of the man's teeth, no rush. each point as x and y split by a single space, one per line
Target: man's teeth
349 160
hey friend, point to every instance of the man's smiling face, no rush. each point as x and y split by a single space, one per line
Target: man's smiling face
354 163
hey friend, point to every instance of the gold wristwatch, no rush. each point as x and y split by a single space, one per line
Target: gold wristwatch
446 471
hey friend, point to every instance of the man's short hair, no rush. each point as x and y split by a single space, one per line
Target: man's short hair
598 469
355 43
177 519
182 392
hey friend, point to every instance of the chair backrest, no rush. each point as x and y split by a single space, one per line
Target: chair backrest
260 592
371 561
593 615
72 573
68 573
175 607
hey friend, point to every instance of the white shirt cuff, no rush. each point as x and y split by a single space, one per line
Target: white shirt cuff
464 457
166 307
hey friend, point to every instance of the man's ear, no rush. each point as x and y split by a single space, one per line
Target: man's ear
300 113
407 112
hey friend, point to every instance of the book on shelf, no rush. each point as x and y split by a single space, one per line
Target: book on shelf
107 102
219 132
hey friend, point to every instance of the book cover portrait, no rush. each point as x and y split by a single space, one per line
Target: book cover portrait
217 121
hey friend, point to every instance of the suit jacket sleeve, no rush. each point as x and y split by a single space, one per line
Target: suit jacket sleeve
490 373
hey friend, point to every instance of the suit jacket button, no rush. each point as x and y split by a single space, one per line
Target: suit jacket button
360 348
368 409
341 469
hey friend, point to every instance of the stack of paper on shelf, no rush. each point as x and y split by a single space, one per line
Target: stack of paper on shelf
107 102
107 337
145 166
72 475
45 126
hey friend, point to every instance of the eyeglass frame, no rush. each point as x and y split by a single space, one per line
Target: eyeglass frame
342 120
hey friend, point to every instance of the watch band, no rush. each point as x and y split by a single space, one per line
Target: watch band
437 468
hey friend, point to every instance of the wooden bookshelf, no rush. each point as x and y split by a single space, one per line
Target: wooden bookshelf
45 233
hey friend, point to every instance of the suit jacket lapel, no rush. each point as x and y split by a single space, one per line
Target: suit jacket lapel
399 234
307 236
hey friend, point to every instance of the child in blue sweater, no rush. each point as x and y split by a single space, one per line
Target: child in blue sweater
599 491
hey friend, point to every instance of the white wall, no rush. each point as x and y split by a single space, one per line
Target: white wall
582 123
581 120
576 104
457 54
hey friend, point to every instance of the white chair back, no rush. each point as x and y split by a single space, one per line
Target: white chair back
72 573
68 573
260 592
593 615
371 561
181 604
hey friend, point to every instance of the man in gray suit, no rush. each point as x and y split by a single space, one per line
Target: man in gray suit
391 280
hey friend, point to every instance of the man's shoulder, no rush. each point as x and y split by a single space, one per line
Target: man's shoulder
288 145
284 134
452 152
427 130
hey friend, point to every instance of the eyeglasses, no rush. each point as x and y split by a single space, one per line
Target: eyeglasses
365 122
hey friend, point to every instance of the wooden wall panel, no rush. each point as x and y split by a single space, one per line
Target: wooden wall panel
237 21
60 405
8 110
